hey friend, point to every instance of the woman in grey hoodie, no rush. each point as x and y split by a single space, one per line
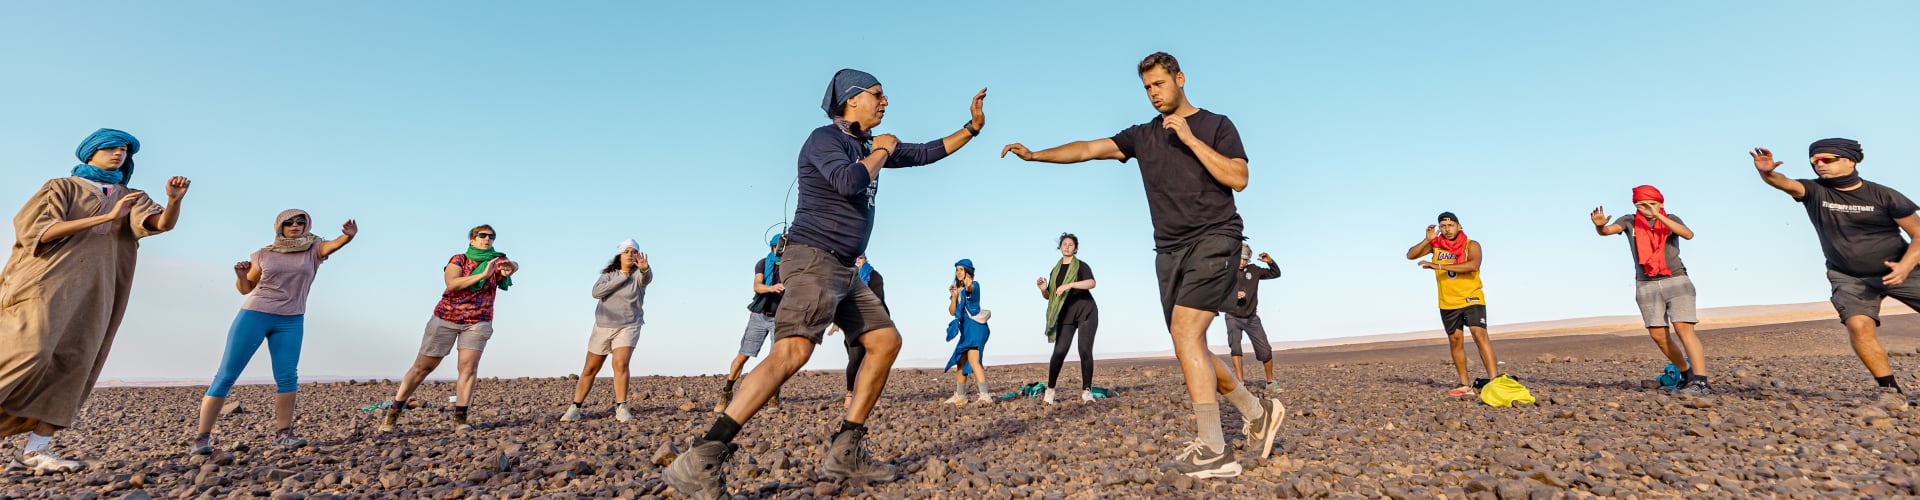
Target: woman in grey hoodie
621 289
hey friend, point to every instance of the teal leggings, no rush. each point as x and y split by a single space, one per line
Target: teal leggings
250 329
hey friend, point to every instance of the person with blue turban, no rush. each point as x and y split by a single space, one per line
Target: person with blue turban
837 180
767 290
77 240
969 325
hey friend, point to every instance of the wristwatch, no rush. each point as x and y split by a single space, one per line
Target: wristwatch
972 132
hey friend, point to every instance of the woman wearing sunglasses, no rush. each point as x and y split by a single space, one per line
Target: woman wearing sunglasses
621 289
1859 224
462 319
275 279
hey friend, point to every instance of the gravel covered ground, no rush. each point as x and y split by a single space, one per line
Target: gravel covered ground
1796 415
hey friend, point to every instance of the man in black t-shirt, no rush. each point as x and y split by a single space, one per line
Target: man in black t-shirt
1191 163
1859 224
767 290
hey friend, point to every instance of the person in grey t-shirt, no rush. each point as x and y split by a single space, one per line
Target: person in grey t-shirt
1662 288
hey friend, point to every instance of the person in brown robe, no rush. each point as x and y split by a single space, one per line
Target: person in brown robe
64 290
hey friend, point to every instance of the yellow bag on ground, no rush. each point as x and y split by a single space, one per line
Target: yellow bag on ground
1504 392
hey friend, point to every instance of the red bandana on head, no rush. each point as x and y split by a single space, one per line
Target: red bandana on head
1650 238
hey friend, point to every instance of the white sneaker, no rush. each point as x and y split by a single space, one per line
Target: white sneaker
1086 395
45 461
957 399
572 415
1049 397
620 413
984 398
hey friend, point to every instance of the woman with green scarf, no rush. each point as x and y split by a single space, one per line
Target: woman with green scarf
1070 310
463 319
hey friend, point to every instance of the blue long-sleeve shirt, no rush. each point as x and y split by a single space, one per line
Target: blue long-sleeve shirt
836 209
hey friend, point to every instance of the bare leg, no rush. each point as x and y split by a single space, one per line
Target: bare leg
739 363
283 409
1485 343
1693 348
469 374
622 356
422 366
1269 364
883 346
1458 344
788 356
1204 372
1660 338
979 372
209 412
1238 370
1867 345
587 374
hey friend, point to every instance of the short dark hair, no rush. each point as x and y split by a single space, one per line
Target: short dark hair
475 232
1161 59
1067 236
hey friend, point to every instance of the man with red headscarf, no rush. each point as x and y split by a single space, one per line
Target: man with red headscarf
1662 288
1455 261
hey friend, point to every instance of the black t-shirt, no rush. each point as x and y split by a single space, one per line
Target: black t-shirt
1185 201
1079 307
1672 250
765 303
1856 227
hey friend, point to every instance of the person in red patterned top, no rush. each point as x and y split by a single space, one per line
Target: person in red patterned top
463 319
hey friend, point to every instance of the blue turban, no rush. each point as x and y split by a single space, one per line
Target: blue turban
966 264
846 83
103 139
773 259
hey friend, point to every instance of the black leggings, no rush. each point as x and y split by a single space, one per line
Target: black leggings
856 353
1063 341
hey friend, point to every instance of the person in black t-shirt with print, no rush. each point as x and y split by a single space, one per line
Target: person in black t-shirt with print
1191 163
1859 224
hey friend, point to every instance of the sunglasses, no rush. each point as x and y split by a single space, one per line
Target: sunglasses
1824 159
868 90
484 235
293 222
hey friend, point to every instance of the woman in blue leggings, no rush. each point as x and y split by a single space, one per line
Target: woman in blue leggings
275 280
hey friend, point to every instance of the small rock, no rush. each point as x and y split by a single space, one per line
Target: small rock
232 408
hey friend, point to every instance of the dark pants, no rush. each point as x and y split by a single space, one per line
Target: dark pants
1251 325
1063 341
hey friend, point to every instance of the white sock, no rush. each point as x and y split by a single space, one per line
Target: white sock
37 442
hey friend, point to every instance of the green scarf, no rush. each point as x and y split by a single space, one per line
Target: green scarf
483 257
1057 300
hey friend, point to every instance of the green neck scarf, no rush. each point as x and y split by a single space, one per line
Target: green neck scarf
483 257
1057 300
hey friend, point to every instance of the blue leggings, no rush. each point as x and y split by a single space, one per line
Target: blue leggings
251 328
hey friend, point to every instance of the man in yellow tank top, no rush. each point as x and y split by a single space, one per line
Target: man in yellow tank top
1455 261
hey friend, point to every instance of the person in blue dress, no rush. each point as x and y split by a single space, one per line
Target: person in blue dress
970 326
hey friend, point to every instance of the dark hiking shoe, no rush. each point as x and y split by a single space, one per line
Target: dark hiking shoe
847 457
701 472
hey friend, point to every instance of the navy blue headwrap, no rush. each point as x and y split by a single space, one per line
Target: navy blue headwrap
103 139
845 84
966 264
1845 148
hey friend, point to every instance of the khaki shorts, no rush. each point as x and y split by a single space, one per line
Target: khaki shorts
820 292
605 340
442 336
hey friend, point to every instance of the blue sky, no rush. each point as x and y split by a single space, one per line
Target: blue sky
678 125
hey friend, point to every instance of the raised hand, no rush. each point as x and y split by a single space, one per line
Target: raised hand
1763 160
1600 216
1178 124
241 268
887 142
506 267
350 228
1431 233
1647 208
177 187
1018 150
1041 283
979 109
1266 258
640 261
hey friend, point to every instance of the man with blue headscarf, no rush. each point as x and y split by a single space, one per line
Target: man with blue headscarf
64 289
766 299
839 171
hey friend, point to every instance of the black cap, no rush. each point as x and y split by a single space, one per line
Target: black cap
1448 216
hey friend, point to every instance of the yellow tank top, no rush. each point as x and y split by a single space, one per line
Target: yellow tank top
1457 290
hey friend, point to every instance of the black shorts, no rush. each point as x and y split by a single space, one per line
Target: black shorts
1459 319
1201 275
821 292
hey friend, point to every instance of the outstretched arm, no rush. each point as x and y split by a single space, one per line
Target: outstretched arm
347 232
1072 152
1763 162
1601 224
959 138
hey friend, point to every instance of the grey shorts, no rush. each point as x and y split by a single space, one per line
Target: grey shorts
1665 301
758 326
442 336
822 292
1861 296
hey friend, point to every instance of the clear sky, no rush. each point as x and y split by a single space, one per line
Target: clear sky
678 124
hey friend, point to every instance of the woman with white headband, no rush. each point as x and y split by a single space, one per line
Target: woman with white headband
621 289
